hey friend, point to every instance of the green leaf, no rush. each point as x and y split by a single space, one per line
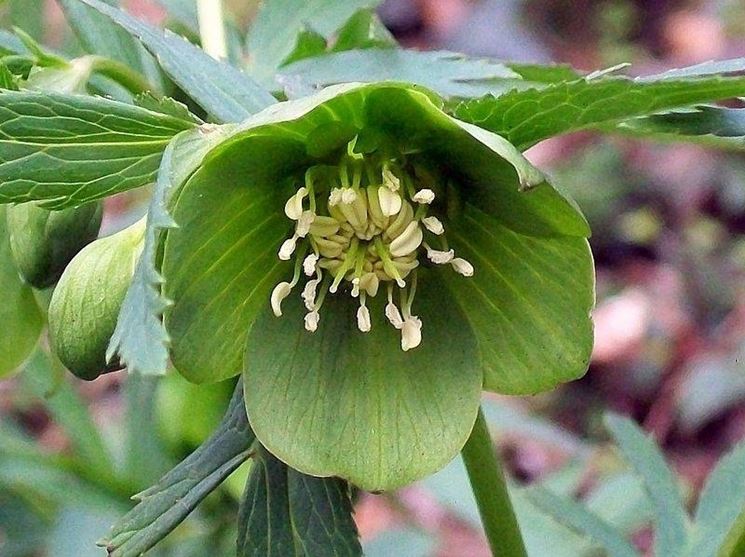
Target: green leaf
308 44
526 117
722 128
447 73
578 518
184 11
363 30
140 339
73 149
400 541
354 405
18 310
528 303
165 505
7 79
273 34
720 508
69 411
28 15
287 514
222 90
647 461
99 35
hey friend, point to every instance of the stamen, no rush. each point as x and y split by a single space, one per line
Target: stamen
434 225
335 197
462 266
311 321
345 266
425 196
390 180
409 240
294 205
391 311
348 196
280 292
288 248
303 223
324 226
439 257
309 264
411 333
309 292
369 282
390 202
388 265
363 317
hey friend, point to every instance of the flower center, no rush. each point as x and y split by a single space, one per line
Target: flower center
360 226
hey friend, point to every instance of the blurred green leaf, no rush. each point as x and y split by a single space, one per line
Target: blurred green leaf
29 16
99 35
184 11
272 36
528 116
69 411
222 90
307 44
447 73
165 505
363 30
577 517
287 514
400 541
106 146
720 509
621 500
647 461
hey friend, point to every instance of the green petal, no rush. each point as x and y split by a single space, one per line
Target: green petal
528 303
342 403
18 310
220 266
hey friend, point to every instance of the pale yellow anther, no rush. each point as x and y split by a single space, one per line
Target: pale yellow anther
309 293
402 220
411 333
324 226
462 266
424 196
390 202
370 283
434 225
440 257
311 321
309 264
393 315
288 248
390 180
364 323
294 205
304 222
409 240
280 292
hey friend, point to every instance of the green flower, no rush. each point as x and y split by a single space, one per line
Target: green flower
371 264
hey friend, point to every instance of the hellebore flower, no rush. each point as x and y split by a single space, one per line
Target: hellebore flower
371 264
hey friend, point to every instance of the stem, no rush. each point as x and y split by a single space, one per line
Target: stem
212 28
490 490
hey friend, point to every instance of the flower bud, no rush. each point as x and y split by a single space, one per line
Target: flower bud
43 242
86 302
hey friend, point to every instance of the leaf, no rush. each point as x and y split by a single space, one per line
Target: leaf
577 517
285 514
529 116
720 508
18 310
184 11
272 36
165 505
640 451
70 412
308 44
447 73
354 405
722 128
222 90
400 541
528 303
139 338
72 149
363 30
99 35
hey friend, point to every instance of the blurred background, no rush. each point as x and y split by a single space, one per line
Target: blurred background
669 241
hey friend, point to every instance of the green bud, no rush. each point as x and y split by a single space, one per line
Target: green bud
43 242
86 302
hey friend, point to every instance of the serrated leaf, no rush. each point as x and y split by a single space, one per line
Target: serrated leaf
99 35
712 126
18 309
165 505
287 514
139 337
671 519
69 149
272 36
222 90
720 508
447 73
526 117
166 105
308 43
363 30
577 517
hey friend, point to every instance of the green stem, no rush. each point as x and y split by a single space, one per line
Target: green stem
212 28
490 490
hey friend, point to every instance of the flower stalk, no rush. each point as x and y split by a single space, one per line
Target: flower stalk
490 490
212 28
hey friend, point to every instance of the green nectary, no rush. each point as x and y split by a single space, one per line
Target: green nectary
43 242
86 302
331 392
